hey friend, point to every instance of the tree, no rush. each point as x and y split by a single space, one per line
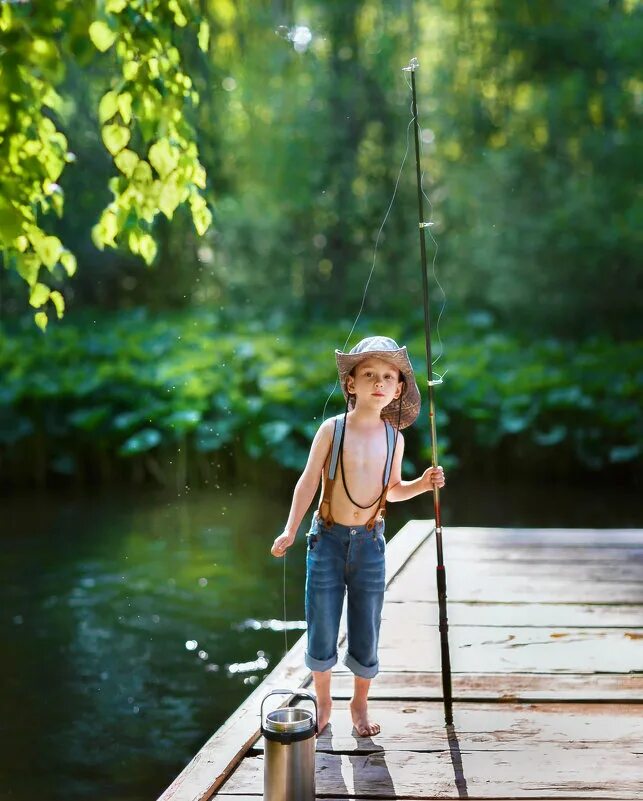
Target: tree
144 119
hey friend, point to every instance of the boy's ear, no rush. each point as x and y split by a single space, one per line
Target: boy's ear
350 384
398 391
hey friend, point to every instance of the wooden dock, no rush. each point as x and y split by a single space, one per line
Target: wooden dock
546 641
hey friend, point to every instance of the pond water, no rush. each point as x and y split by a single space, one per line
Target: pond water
135 623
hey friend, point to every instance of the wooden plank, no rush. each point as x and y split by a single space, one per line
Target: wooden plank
220 755
607 773
546 537
461 613
226 797
533 552
513 650
419 726
604 572
499 687
494 582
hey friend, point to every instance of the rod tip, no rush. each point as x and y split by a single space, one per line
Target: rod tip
413 65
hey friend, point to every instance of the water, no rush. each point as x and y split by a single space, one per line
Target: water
135 624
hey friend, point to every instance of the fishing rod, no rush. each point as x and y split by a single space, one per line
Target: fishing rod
431 382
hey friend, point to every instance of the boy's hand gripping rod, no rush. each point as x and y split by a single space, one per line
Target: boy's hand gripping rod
440 571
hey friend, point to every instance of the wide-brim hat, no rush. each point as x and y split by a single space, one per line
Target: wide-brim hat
387 349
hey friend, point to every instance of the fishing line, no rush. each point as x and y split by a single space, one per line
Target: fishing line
377 240
379 233
285 618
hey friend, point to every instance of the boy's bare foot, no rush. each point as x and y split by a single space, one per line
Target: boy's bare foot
364 727
323 711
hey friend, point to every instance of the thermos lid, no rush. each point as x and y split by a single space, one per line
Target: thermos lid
289 720
289 724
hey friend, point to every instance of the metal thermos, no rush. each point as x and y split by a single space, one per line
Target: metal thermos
289 750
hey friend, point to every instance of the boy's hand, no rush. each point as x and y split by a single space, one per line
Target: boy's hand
433 477
281 544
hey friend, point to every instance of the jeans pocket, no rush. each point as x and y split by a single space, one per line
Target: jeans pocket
312 538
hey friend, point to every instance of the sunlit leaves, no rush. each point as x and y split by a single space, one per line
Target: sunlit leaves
163 157
153 105
115 137
108 106
34 155
147 248
39 295
204 36
142 117
68 261
101 35
126 162
58 301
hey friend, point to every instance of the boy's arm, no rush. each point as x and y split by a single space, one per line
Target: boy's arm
308 483
403 490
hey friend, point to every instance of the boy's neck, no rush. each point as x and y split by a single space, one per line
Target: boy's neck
365 416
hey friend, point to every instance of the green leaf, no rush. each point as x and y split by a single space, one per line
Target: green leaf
142 173
183 421
130 70
115 6
125 107
41 320
105 230
108 106
169 198
126 161
59 302
204 36
624 453
115 137
90 418
552 437
162 157
28 268
275 432
49 249
68 261
101 35
202 219
200 213
39 295
147 248
142 441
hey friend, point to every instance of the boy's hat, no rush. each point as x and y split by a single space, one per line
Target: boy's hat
388 350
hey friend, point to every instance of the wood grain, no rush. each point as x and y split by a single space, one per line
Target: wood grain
499 687
521 773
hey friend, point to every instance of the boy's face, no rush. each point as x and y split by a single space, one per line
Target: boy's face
375 382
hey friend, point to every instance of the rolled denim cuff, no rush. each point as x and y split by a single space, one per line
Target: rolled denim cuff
320 664
360 670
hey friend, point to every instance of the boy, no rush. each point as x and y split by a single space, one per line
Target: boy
346 545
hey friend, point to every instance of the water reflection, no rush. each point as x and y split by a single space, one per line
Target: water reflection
121 614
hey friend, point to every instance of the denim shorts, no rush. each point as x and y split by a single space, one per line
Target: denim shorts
344 560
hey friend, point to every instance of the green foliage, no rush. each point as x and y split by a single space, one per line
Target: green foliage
149 103
133 388
537 127
531 130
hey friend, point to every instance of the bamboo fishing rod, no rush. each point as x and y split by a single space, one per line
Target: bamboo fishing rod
440 569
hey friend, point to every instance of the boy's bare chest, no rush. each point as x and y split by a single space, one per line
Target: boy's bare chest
364 456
